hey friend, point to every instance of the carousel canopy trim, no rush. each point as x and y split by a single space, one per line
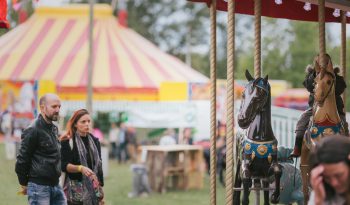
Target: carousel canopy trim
286 9
53 45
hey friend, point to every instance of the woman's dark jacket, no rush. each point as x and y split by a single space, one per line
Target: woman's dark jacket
340 86
71 156
39 157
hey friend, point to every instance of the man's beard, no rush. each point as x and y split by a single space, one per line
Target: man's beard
53 117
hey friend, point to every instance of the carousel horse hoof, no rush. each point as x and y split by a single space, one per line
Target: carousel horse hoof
275 198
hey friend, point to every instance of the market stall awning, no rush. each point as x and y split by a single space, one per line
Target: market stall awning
53 45
296 98
3 13
287 9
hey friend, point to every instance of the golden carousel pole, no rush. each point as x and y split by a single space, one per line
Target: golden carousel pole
257 38
322 32
213 103
230 138
304 166
257 57
343 50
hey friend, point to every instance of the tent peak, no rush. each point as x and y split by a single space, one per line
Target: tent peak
76 10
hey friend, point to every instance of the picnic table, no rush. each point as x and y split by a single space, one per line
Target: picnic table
174 166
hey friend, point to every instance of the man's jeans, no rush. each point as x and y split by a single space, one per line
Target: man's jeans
45 195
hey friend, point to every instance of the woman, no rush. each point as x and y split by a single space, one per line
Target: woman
81 158
330 174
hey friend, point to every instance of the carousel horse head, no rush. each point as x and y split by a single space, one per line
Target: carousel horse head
254 99
324 81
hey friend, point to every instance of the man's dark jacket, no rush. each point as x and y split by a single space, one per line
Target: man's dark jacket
39 158
340 86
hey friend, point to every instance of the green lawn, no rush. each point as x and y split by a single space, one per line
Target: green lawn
117 186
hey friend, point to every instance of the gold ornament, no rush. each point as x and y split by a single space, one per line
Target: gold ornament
328 131
247 146
262 149
269 158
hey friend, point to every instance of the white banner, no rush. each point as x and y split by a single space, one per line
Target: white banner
194 114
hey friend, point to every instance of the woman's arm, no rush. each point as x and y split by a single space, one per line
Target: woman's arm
71 168
67 163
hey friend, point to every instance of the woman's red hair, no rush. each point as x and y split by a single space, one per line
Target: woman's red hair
71 129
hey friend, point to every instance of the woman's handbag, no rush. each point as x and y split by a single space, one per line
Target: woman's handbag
74 190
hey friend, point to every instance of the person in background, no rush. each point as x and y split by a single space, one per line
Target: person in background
168 137
113 139
131 143
122 155
220 148
330 174
39 159
82 161
97 132
186 137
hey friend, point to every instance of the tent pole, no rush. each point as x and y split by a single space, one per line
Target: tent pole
90 59
230 138
213 103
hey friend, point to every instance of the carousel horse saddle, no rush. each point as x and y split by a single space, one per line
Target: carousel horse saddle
318 130
259 149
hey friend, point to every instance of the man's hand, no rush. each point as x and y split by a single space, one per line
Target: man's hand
317 184
22 190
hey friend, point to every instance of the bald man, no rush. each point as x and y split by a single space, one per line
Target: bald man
38 165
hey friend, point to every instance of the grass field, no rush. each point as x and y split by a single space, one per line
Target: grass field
117 185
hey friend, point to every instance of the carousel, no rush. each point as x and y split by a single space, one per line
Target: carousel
251 158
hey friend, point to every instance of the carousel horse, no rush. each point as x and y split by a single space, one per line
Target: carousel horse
258 149
325 119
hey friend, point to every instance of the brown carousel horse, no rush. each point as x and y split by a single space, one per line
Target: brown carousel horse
258 149
325 119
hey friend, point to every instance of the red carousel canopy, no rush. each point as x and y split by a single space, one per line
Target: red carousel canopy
287 9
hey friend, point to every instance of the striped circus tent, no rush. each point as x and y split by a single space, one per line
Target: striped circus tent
52 45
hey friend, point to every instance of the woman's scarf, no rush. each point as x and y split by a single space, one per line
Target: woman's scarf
89 196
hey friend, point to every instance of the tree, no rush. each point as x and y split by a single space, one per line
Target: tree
167 23
302 49
334 52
